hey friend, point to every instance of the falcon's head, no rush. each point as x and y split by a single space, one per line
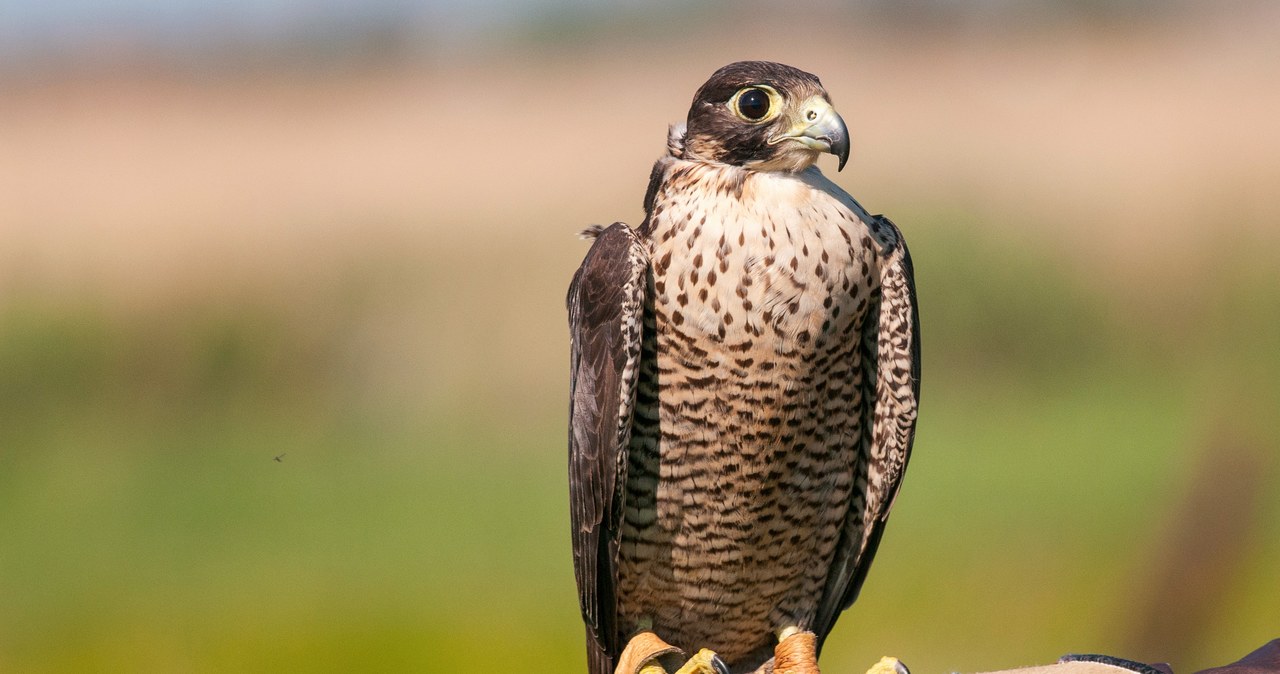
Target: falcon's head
764 116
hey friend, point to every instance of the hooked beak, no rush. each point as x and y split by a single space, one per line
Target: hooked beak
819 128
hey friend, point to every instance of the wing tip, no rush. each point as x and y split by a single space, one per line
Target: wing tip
592 232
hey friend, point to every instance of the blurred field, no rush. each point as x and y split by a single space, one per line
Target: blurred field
361 272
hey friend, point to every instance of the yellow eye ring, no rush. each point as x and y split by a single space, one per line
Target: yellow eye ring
757 104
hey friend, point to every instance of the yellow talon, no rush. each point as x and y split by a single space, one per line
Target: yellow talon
704 661
888 665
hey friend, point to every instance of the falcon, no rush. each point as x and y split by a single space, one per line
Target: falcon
745 371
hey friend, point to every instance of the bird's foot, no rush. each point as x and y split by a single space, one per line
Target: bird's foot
888 665
704 661
643 653
797 653
646 651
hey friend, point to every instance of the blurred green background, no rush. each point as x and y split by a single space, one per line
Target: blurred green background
283 345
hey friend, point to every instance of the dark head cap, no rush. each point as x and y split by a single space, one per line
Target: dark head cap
764 116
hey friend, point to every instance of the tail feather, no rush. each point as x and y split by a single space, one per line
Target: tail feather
598 661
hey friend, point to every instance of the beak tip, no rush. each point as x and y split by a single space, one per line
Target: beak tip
841 149
840 144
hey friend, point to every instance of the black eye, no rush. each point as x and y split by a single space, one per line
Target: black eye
753 104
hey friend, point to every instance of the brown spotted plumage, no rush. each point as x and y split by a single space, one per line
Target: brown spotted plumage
745 374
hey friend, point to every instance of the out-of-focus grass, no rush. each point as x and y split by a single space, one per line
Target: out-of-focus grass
148 526
417 517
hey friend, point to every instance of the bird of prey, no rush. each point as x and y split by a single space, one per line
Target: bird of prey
745 370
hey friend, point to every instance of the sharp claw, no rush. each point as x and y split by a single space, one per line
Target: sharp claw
889 665
704 661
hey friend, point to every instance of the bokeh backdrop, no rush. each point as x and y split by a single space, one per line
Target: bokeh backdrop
283 344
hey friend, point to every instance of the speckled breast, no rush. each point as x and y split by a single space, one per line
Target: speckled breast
748 426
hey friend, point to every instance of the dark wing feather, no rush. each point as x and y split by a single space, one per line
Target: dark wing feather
891 352
606 301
